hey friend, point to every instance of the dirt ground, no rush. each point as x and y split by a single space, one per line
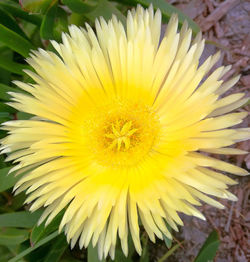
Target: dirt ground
226 26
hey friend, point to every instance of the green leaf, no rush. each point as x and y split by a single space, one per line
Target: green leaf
5 76
16 11
30 249
7 20
30 30
23 219
77 19
4 89
167 240
17 201
209 248
39 254
70 259
57 249
61 23
6 108
36 6
145 255
167 10
106 10
93 254
67 257
2 135
12 236
7 181
15 41
120 257
5 254
39 232
4 114
78 6
47 26
23 116
13 67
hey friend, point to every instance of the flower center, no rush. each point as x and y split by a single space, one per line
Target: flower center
121 134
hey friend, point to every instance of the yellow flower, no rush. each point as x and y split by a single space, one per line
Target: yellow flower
121 121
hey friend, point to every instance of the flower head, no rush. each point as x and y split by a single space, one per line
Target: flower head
121 121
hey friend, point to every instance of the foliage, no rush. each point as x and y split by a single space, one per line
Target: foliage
209 248
26 25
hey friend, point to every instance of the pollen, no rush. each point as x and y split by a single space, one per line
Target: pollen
122 133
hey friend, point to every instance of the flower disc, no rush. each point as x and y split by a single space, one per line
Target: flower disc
120 134
120 123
